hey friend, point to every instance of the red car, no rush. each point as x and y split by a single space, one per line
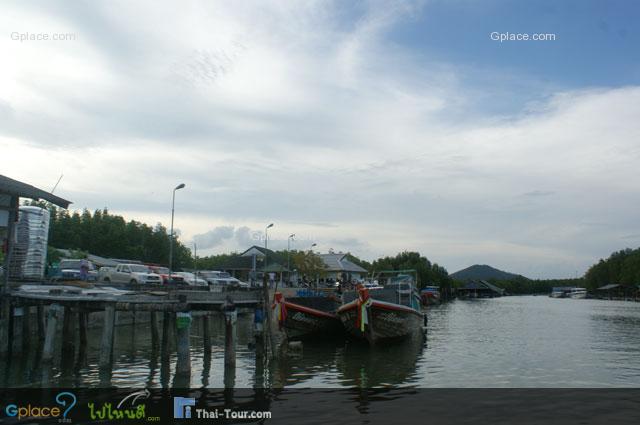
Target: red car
164 273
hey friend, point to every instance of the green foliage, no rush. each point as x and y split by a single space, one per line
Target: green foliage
53 255
109 235
355 260
428 273
622 267
308 264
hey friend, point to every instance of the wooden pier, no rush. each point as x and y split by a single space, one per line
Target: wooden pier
66 311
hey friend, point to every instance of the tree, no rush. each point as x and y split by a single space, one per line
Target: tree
308 263
428 273
109 235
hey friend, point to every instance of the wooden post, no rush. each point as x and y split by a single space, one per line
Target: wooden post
53 316
18 319
41 322
165 335
5 313
183 329
155 332
106 347
82 337
230 321
26 328
206 333
68 335
268 337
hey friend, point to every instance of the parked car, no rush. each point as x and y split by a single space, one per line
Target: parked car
222 279
132 273
176 278
104 272
70 270
210 275
191 279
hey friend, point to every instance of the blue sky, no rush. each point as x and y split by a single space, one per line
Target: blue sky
596 42
371 127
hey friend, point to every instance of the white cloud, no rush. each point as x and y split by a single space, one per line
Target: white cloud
321 125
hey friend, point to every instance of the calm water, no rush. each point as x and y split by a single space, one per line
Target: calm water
506 342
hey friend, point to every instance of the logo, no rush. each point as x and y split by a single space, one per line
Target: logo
182 407
65 399
128 408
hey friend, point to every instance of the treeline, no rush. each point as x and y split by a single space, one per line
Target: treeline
105 234
622 267
428 273
311 265
521 285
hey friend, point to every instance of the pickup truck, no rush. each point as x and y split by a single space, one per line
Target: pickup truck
70 270
132 273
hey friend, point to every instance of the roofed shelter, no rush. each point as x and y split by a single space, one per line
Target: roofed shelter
480 289
10 193
616 291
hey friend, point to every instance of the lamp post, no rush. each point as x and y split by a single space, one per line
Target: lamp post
311 252
266 241
173 204
289 239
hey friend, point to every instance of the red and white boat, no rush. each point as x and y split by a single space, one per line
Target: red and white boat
384 314
308 316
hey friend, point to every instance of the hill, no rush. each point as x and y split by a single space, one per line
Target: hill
482 272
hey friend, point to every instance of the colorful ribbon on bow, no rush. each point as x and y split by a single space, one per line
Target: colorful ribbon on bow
280 309
362 303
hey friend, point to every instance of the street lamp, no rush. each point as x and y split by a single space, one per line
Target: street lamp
266 240
289 239
173 203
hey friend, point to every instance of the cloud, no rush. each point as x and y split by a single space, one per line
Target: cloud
214 237
539 193
326 126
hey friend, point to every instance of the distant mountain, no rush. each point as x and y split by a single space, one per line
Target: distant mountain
482 272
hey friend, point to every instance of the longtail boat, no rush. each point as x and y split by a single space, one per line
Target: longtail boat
385 313
308 315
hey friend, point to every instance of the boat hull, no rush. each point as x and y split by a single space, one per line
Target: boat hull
304 322
386 321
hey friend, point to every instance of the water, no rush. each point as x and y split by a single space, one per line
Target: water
504 342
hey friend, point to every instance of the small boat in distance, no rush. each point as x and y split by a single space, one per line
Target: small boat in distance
578 293
308 315
430 295
383 314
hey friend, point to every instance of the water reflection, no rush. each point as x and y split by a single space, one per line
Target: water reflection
508 342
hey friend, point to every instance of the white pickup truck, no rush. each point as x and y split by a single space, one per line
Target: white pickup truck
132 273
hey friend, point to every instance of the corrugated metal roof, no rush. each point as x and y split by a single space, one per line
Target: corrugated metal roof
609 286
339 263
16 188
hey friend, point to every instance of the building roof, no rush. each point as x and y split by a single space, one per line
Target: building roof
480 285
339 263
274 268
609 286
16 188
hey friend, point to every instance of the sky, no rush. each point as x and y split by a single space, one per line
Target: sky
370 127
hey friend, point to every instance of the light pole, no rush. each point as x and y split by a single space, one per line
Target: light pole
289 239
173 204
266 241
311 252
